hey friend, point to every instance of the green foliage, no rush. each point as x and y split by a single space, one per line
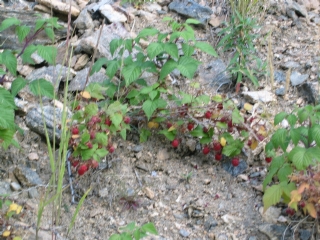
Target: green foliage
303 137
9 60
134 232
238 37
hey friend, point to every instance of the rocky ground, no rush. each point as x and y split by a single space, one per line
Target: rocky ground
217 201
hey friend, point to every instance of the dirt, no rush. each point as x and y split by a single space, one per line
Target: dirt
154 178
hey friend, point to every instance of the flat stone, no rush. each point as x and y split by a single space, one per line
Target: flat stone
290 64
297 78
191 144
271 215
81 62
279 76
210 223
259 96
191 9
280 91
60 7
15 186
163 154
26 176
33 156
149 193
103 192
33 193
184 233
111 14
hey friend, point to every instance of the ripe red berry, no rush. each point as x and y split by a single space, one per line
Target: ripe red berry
217 146
111 149
260 137
235 162
77 108
75 131
92 135
108 122
230 123
82 169
127 119
224 119
95 119
94 164
89 145
218 156
220 106
230 129
249 142
290 211
208 114
75 163
206 150
302 204
169 125
205 129
190 126
268 159
175 143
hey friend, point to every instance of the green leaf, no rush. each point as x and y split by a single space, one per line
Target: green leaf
116 119
207 48
301 157
167 68
26 56
272 196
172 50
17 85
115 44
48 53
149 228
269 177
169 134
39 23
6 120
284 172
137 234
279 139
205 140
279 117
303 114
112 68
154 94
102 152
10 61
197 132
187 66
192 21
131 73
42 87
85 137
6 99
133 93
50 33
22 32
315 134
115 237
98 65
149 107
91 109
295 135
8 22
144 135
155 49
101 138
95 89
292 119
187 49
236 117
147 32
233 148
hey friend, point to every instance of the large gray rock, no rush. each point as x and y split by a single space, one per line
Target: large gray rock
109 32
78 83
215 74
52 118
84 21
191 9
8 38
26 176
